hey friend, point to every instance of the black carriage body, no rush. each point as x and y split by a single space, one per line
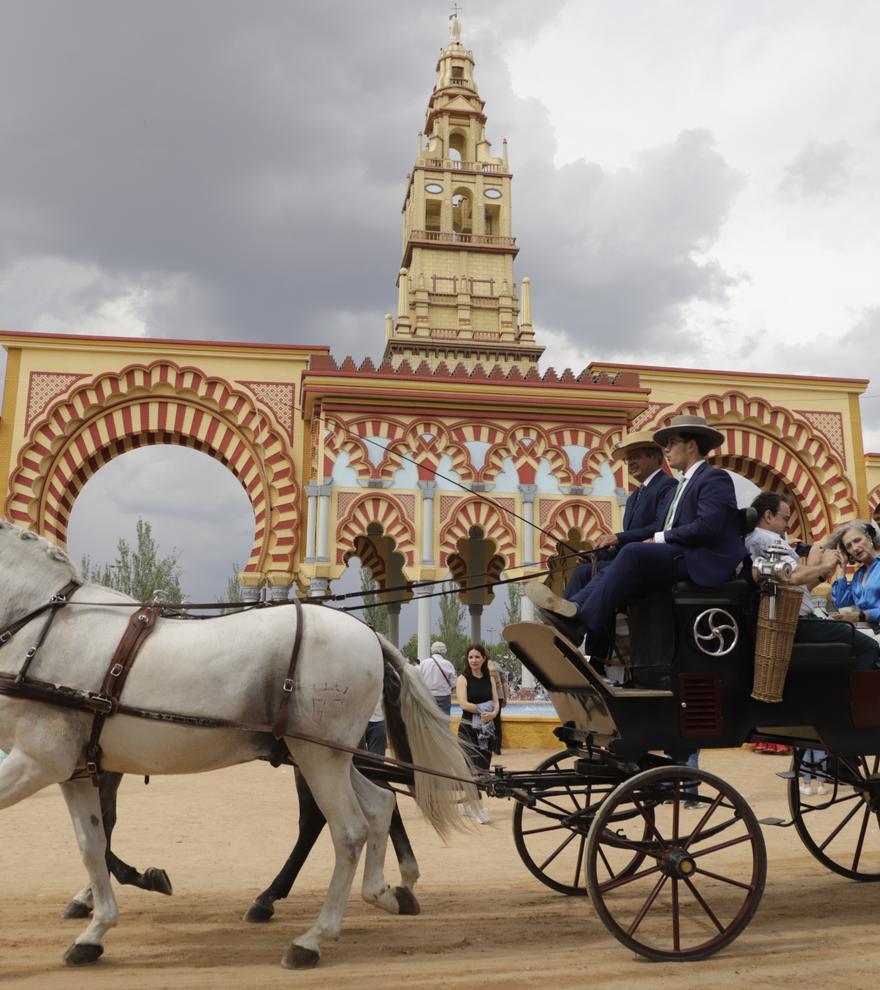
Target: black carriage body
692 689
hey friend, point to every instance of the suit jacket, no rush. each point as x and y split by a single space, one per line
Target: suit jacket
706 527
644 515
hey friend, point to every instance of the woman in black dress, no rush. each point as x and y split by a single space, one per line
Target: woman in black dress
476 694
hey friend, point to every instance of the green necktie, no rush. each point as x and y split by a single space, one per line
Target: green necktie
673 505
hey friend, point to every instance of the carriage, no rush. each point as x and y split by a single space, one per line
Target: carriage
672 857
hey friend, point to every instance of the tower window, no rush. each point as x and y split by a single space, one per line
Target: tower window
457 72
492 193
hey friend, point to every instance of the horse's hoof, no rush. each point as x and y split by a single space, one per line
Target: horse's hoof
157 880
298 957
406 901
83 953
259 914
76 909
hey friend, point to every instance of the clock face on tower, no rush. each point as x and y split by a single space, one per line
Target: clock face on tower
433 187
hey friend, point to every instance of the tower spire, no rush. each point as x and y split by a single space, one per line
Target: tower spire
457 299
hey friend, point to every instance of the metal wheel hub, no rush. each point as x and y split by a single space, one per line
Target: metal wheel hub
677 863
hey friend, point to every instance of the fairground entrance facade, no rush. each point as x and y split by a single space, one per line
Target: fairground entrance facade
392 460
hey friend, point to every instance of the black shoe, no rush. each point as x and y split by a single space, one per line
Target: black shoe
570 628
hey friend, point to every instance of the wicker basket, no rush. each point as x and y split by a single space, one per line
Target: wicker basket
773 643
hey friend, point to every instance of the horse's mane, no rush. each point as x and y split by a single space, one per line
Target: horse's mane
41 545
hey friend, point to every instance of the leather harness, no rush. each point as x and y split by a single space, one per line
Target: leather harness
106 702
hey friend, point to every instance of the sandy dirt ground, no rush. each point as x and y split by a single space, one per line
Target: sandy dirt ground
485 922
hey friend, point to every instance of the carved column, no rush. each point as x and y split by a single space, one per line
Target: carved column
323 525
311 521
428 489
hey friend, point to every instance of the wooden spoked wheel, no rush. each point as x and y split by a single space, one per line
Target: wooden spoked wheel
551 836
703 869
841 827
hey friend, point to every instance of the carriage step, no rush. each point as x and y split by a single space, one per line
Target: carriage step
778 822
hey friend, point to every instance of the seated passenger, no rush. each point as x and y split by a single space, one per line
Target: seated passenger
699 541
857 543
645 508
773 518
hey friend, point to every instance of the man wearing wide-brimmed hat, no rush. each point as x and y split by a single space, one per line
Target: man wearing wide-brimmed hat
645 508
698 541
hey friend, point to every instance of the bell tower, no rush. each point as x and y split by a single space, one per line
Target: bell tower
457 301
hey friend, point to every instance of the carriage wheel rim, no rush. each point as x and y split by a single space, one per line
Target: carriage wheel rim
633 907
556 859
821 824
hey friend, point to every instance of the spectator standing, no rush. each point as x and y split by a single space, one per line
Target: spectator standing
374 738
476 694
439 675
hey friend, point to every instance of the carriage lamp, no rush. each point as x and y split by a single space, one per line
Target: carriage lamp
771 569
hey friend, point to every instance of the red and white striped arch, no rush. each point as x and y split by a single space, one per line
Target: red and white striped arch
495 523
384 509
761 437
160 403
578 515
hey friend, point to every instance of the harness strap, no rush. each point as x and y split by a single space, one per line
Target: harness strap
279 726
58 600
140 625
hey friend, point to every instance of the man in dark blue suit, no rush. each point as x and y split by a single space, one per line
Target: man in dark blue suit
699 541
645 508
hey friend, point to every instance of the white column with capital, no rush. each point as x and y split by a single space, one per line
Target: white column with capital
428 488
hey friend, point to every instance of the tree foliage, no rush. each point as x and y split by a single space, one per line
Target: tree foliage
139 571
452 626
375 615
411 649
501 652
233 590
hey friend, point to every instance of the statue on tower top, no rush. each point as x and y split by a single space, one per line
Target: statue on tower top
454 26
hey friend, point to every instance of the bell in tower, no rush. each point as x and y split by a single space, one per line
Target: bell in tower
457 298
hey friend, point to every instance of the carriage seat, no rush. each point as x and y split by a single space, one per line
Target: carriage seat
815 657
736 589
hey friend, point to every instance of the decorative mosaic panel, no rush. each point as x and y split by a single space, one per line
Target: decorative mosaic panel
830 425
43 387
279 397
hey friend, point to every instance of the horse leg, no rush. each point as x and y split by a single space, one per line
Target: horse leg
311 824
377 804
85 813
151 879
406 858
328 774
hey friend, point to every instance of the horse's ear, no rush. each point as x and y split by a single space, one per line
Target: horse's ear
56 553
26 534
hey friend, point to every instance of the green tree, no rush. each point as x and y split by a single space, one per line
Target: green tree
375 615
233 591
411 649
452 625
501 652
138 571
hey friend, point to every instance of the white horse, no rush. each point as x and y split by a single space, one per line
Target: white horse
231 667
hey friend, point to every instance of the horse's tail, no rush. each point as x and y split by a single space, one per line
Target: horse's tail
419 733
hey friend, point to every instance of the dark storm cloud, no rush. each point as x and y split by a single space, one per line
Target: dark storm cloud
819 169
237 171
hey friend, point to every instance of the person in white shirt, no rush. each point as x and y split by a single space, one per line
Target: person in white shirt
439 674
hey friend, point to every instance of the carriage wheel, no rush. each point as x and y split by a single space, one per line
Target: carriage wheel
703 871
842 827
551 837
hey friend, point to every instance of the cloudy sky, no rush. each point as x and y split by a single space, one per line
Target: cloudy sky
695 183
